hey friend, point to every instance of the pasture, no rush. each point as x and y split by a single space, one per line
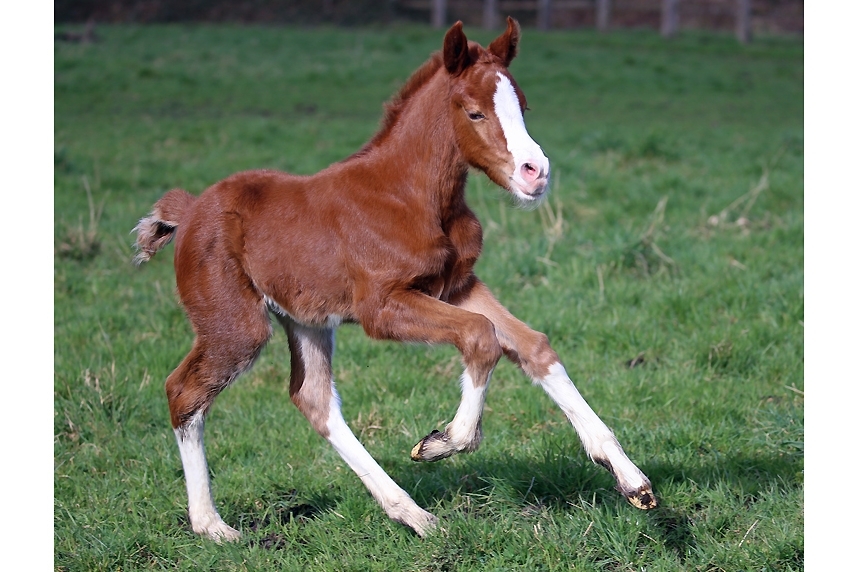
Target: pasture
666 267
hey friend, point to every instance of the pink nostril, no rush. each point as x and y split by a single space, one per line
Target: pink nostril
529 172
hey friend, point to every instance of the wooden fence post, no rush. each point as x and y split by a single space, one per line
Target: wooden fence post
490 14
669 18
439 13
743 21
543 14
603 15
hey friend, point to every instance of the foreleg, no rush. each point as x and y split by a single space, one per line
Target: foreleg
533 353
414 317
313 391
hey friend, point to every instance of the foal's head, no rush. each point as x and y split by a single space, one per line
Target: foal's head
487 107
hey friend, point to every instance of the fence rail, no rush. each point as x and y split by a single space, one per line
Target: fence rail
669 13
743 16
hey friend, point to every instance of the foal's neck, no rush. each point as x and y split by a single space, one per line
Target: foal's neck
420 151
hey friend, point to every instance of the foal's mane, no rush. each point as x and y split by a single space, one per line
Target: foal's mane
396 105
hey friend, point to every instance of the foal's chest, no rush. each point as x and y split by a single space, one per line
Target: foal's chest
463 241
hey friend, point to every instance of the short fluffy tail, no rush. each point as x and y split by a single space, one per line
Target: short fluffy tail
155 231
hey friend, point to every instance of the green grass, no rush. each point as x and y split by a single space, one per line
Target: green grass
675 230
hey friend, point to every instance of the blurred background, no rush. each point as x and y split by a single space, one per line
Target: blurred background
745 16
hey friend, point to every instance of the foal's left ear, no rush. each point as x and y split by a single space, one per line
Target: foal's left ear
505 46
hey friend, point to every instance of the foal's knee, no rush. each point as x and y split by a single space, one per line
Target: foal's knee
480 346
537 356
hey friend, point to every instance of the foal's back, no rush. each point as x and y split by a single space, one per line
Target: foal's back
316 247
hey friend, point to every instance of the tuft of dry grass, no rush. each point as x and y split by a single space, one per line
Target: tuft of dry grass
552 226
81 242
731 214
645 255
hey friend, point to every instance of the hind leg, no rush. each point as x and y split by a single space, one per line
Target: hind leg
232 327
191 390
313 392
204 517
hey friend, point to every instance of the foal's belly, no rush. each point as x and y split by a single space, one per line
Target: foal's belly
317 319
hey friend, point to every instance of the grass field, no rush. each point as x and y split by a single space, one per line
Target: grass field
674 234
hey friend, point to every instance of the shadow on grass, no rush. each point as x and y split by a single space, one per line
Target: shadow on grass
560 481
556 482
262 519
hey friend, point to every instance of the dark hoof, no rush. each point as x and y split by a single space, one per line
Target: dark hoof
433 447
643 498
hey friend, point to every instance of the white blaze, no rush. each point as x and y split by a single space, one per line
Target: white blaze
518 141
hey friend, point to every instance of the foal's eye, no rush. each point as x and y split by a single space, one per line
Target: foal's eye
475 115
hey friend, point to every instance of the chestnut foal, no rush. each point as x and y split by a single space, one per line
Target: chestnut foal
383 239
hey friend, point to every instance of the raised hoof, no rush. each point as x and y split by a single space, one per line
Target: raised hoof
643 498
433 447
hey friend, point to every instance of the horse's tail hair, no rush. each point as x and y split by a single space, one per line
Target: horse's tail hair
155 231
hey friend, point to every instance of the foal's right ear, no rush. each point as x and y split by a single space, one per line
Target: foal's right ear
456 55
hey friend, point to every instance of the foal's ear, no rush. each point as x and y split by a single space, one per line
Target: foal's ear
456 55
505 46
